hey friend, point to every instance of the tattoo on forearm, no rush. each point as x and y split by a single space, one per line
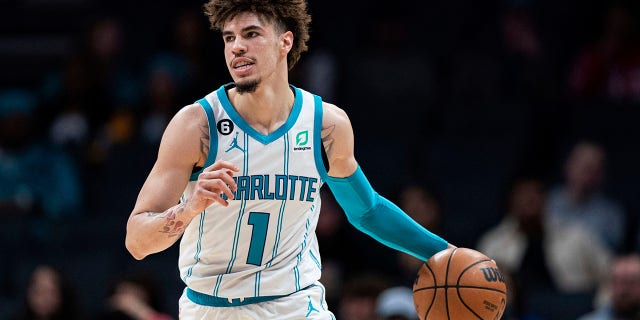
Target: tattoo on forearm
172 226
204 141
327 137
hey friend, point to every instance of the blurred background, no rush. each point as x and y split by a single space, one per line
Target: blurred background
506 126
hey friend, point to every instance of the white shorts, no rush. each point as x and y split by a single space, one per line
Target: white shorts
308 303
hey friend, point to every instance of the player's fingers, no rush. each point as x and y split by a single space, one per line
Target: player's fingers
222 164
217 186
220 200
205 194
225 176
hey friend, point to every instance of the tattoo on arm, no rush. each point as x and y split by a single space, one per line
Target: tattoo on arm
172 227
327 137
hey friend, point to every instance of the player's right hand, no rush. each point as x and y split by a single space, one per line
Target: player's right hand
214 181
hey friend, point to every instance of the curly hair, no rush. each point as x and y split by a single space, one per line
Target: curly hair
289 15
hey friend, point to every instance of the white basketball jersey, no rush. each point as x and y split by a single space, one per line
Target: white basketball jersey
264 242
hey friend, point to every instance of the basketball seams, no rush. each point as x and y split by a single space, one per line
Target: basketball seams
472 287
466 305
460 287
433 275
482 288
471 266
446 282
428 288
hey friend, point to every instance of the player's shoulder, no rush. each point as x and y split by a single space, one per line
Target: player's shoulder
184 134
191 112
333 114
189 116
188 122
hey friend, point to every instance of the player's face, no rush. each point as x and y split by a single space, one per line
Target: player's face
253 50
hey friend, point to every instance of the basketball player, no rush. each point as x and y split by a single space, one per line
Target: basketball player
238 176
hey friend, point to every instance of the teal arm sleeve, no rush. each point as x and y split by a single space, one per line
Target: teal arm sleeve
381 219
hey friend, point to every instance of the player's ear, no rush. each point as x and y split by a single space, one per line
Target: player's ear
286 42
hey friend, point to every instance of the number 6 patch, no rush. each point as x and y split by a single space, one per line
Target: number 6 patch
225 127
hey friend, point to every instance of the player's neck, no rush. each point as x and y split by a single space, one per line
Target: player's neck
265 109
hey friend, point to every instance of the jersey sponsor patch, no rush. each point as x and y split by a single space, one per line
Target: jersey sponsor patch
302 141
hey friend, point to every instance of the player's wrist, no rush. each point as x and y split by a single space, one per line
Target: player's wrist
187 211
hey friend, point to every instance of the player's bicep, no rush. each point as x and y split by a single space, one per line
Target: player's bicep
337 139
180 150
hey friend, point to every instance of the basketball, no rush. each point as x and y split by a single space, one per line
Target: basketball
459 283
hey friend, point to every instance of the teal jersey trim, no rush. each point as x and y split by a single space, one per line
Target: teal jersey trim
214 301
204 299
317 137
213 138
264 139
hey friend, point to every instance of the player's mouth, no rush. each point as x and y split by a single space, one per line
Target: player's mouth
242 65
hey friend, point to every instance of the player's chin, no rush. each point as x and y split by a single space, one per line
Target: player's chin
247 85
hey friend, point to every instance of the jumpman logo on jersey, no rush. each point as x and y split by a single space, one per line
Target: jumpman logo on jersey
311 308
234 144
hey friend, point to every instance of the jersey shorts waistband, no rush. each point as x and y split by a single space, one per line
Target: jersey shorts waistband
212 301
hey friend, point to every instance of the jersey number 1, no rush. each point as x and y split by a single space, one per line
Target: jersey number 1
260 222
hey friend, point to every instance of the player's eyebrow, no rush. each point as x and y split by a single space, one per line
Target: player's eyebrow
245 29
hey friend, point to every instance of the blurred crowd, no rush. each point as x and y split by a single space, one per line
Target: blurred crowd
510 127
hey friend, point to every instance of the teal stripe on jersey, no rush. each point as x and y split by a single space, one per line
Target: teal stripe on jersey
317 137
243 205
313 257
196 256
256 286
323 298
236 236
274 252
296 275
296 270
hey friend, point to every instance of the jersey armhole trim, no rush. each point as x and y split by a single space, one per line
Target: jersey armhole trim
317 136
213 138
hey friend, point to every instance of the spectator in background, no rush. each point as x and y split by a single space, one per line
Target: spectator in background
538 257
580 199
50 296
164 75
359 296
134 297
396 303
35 179
527 73
66 100
332 236
423 207
610 68
112 78
190 44
624 291
177 72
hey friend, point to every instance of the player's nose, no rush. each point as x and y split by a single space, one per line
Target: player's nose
238 46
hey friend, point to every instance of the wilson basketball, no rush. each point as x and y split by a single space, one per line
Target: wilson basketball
459 283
